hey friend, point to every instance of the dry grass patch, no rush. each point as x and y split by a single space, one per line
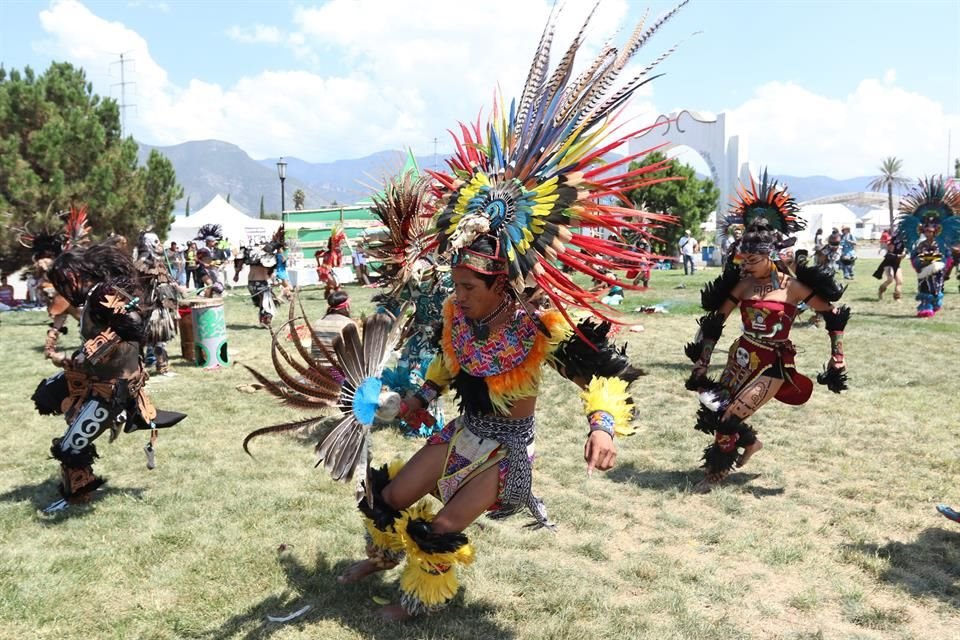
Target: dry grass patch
829 533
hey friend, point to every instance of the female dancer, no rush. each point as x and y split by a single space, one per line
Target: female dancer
760 365
930 210
889 268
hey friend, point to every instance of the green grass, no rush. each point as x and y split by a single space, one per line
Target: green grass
829 533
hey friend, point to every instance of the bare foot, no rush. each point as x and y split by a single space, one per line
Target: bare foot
748 453
357 571
710 482
394 613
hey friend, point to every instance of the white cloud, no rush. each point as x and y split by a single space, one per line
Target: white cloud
408 73
256 34
794 131
398 74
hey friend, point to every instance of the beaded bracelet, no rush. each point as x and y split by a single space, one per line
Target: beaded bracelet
601 421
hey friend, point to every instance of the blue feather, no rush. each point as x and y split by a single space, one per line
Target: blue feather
366 400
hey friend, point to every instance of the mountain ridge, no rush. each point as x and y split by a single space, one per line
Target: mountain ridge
206 168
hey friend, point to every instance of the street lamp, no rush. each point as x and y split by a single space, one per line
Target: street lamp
282 172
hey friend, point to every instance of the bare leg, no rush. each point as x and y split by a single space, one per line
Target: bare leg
464 507
744 405
415 480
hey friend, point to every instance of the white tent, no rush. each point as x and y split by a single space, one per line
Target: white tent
240 229
826 217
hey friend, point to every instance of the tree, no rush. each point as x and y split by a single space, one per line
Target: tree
690 199
60 145
262 209
228 197
299 198
889 178
187 208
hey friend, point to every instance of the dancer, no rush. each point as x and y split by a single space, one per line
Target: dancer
102 385
263 261
889 269
760 365
931 210
520 190
46 247
404 208
160 298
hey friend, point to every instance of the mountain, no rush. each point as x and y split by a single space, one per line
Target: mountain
206 168
813 187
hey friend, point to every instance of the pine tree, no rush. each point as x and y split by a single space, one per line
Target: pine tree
262 210
187 215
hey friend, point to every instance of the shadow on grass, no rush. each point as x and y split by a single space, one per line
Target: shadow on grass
680 364
928 566
43 494
253 326
351 606
662 480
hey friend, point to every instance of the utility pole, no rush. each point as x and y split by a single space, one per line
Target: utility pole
123 93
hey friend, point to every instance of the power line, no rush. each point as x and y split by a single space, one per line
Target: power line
123 92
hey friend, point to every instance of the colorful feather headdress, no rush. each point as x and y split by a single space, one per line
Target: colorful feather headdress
404 207
932 202
534 177
207 231
769 200
76 232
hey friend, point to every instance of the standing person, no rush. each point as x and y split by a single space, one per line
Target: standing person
885 238
191 266
930 224
103 385
831 252
848 252
518 191
688 249
177 264
760 364
889 268
359 258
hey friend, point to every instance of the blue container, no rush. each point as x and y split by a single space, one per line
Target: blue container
707 254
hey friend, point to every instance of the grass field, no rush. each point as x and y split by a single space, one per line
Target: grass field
830 532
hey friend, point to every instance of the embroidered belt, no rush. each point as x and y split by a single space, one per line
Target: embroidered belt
515 434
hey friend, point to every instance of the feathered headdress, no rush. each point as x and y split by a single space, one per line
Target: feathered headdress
533 176
934 203
404 208
769 200
77 228
214 231
345 382
76 233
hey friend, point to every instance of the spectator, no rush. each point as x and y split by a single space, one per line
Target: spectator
688 249
6 293
191 265
848 252
360 264
176 264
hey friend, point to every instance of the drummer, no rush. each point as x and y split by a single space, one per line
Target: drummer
208 274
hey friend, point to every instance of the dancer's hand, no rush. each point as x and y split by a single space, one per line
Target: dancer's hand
600 452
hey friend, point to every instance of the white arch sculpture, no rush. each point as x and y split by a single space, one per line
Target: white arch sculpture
725 154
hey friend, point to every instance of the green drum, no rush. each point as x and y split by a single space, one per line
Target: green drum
209 333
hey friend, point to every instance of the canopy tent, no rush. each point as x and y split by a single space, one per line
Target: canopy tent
826 217
239 229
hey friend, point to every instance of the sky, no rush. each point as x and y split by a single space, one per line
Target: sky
813 87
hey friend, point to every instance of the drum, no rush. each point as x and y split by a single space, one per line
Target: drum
186 331
209 333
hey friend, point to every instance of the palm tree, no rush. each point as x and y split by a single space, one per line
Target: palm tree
299 197
889 178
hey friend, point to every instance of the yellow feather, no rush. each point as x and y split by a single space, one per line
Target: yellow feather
610 395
